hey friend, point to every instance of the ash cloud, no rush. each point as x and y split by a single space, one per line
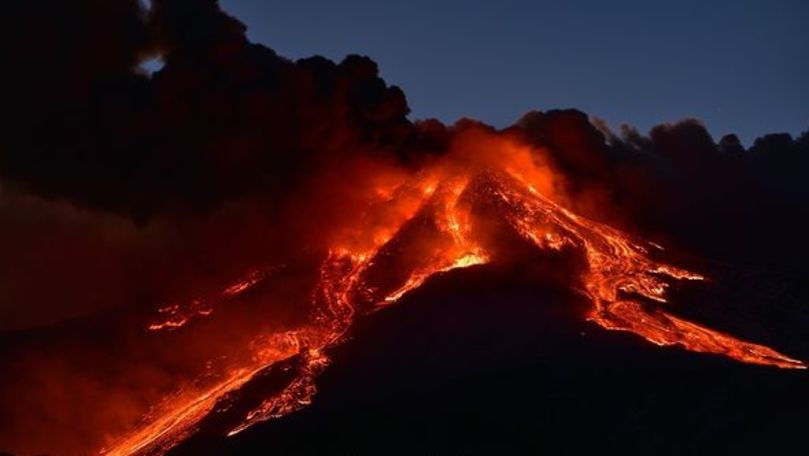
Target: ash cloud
678 185
222 118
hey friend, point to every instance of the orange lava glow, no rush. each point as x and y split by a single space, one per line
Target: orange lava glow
175 316
423 225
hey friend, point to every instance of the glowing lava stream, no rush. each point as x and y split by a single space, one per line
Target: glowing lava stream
618 269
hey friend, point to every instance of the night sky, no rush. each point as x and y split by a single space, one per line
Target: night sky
738 65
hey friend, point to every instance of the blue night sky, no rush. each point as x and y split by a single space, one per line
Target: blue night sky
741 66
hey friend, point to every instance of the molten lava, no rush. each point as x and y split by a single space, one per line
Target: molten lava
410 230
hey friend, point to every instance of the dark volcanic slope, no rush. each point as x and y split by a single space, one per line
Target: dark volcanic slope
488 360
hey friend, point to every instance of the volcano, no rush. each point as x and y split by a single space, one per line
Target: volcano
450 217
239 253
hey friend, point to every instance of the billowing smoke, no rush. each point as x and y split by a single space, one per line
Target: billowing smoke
224 117
678 184
122 191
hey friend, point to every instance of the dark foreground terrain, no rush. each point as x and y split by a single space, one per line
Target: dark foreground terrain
491 361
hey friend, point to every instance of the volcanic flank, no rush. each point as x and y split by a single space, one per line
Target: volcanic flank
187 251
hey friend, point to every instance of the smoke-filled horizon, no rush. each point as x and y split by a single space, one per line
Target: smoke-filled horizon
736 65
210 231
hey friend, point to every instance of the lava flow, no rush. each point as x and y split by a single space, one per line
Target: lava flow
414 227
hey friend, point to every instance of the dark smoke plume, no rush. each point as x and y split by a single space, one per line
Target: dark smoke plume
223 117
